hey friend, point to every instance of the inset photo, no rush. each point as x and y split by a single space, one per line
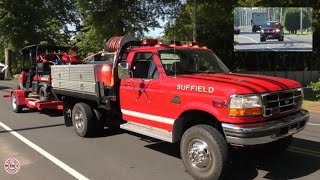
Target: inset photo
277 29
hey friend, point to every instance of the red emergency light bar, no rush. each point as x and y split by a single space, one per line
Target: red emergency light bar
159 43
149 42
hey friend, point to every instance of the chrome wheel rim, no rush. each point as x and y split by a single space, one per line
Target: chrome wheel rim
79 122
14 102
199 155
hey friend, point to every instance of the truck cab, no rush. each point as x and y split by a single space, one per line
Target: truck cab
180 93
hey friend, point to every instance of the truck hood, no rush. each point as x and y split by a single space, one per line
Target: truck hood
234 83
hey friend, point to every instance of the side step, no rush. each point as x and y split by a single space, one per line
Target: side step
148 131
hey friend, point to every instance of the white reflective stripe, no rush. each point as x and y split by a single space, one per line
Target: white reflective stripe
32 103
148 116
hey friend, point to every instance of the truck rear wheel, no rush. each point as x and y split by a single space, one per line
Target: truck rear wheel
15 107
204 152
83 119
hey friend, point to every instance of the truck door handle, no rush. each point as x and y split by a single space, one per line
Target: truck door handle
126 85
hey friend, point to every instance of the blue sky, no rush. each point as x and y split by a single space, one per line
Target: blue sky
157 31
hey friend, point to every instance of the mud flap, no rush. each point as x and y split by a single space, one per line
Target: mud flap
67 112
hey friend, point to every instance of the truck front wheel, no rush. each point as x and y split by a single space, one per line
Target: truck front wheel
83 119
204 152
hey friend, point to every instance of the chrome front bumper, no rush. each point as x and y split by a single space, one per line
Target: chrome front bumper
265 132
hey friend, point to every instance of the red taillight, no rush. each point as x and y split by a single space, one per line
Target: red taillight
273 30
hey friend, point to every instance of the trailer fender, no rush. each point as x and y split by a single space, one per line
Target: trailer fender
20 96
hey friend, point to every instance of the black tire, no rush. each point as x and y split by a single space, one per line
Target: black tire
279 146
216 151
15 107
83 120
281 39
44 94
262 39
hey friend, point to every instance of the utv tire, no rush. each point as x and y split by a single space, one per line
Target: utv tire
281 39
83 120
15 107
44 94
204 152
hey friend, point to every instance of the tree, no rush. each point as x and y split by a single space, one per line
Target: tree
102 19
292 20
35 21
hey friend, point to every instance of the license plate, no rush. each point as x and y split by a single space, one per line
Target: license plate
293 131
269 36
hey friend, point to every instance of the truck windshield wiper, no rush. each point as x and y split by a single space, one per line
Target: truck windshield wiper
192 71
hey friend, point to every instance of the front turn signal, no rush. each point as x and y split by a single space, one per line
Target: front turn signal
245 111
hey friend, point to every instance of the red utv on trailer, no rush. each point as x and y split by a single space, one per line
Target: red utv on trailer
34 89
37 60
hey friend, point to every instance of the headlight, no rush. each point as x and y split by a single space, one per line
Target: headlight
277 30
245 105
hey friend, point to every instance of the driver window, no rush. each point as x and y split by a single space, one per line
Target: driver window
144 66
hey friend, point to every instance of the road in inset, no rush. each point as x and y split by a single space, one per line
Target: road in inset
249 41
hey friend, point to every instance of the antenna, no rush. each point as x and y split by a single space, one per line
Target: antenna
174 27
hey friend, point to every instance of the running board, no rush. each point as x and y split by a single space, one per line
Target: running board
148 131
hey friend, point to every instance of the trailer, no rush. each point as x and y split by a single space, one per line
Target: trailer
20 101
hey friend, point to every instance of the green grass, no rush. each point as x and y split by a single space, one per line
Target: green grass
311 102
308 33
246 27
311 105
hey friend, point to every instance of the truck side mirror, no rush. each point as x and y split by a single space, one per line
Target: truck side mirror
123 70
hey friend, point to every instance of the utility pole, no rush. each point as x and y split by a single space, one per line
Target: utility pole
240 16
280 15
301 21
7 59
195 21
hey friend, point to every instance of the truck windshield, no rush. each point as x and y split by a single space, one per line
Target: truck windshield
189 61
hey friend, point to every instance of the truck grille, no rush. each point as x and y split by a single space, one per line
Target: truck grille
282 101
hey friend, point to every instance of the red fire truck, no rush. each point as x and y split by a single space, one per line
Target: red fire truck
179 93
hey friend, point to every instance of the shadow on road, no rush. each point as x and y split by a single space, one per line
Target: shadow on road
2 88
246 32
48 112
32 128
245 163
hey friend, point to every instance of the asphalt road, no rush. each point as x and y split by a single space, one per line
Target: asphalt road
249 41
124 155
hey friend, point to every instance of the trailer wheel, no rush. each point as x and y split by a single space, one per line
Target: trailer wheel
204 152
83 119
44 94
15 107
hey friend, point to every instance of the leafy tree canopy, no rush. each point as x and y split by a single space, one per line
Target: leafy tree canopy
102 19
